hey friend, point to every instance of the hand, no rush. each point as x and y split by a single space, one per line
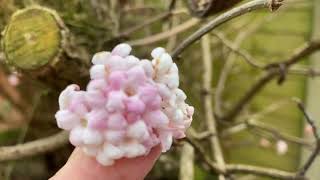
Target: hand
83 167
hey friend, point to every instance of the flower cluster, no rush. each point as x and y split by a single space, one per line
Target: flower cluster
129 106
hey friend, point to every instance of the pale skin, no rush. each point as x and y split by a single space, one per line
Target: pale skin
82 167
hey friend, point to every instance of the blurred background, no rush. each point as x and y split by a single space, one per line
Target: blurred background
47 44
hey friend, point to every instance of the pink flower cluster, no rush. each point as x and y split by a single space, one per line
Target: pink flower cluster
129 106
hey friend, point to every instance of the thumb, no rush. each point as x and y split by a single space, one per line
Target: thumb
83 167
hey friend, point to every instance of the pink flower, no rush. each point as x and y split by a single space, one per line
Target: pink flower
129 106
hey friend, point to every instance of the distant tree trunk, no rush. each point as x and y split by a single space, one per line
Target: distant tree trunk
313 87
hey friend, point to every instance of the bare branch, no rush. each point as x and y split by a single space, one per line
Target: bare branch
233 13
241 169
9 153
262 171
277 133
210 121
273 70
244 54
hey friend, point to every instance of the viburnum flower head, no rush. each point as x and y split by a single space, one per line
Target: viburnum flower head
129 106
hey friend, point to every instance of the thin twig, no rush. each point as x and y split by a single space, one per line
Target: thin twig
262 171
9 153
233 13
316 151
210 121
259 85
164 35
305 71
145 23
277 133
244 54
231 59
242 169
273 70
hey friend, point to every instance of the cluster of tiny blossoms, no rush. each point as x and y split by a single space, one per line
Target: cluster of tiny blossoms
129 106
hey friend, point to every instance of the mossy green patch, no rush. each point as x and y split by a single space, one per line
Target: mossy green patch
32 38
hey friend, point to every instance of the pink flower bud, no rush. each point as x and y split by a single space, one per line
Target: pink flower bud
136 75
117 80
265 143
150 96
117 121
115 101
95 99
135 105
156 118
78 104
308 130
97 119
